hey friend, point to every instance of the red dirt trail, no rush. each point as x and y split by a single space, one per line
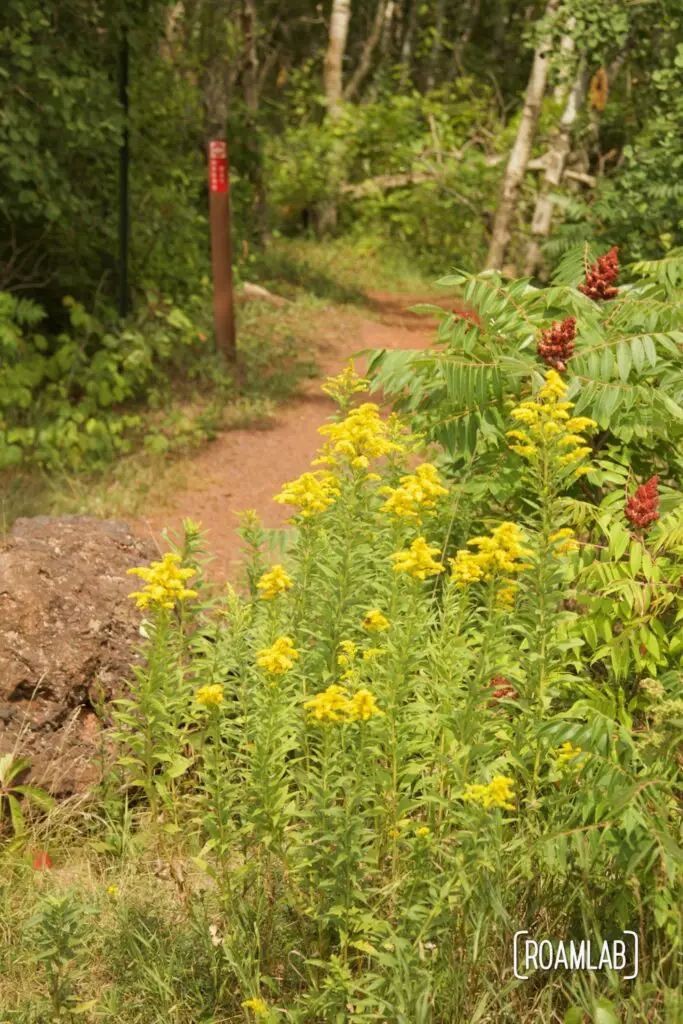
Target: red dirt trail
244 469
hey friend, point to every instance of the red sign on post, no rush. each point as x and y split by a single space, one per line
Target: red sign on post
218 166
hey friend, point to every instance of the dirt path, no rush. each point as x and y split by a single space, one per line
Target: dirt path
244 469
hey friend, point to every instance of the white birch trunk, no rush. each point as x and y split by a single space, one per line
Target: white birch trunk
388 25
336 47
519 156
555 162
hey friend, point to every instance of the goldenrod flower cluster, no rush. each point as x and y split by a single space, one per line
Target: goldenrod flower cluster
211 694
548 422
499 553
257 1006
349 651
372 652
359 437
567 753
334 705
375 622
274 582
416 494
417 561
506 595
568 541
278 658
311 493
165 582
345 384
498 793
423 832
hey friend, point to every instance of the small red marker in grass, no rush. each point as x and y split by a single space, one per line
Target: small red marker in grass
42 860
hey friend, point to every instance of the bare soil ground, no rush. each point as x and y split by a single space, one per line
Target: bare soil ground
244 469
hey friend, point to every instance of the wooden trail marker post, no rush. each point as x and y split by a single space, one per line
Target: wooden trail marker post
221 248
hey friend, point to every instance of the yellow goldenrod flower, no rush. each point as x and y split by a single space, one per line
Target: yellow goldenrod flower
165 582
571 440
334 705
527 450
466 568
349 650
257 1006
362 707
497 793
394 833
279 658
345 384
274 582
554 387
500 552
423 832
375 622
579 423
112 890
575 456
209 695
417 561
566 753
311 493
549 424
506 595
372 653
362 434
569 541
330 705
417 493
519 435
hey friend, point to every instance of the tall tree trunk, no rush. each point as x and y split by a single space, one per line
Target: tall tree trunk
519 156
408 39
368 50
336 47
389 11
437 41
555 162
326 214
251 98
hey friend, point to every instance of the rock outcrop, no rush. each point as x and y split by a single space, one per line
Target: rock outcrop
68 636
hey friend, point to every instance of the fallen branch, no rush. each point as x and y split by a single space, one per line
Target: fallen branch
541 164
385 181
585 179
256 293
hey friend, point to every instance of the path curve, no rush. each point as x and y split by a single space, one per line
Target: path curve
244 469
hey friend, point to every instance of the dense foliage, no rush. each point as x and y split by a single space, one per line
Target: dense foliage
423 733
410 156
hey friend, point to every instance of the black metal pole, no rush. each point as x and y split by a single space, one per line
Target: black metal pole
124 159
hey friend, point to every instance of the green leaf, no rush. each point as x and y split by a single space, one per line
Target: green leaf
574 1015
604 1013
623 360
428 308
638 354
177 767
635 557
16 815
36 796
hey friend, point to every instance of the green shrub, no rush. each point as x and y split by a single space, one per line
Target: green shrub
69 402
